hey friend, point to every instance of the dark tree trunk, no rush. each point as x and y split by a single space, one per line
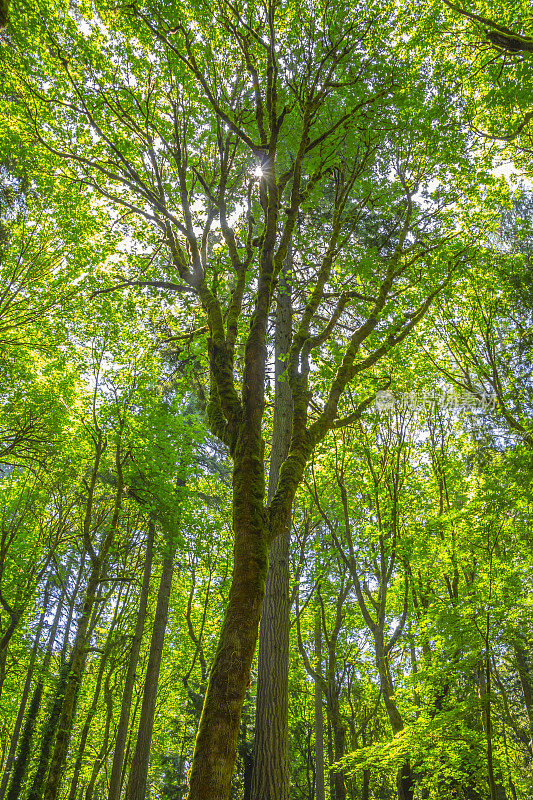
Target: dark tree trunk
525 682
97 766
115 779
136 789
23 757
71 606
270 779
320 790
25 694
404 777
365 788
47 738
78 656
72 681
338 732
94 704
216 742
246 754
4 13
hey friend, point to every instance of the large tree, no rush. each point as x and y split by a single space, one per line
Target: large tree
220 138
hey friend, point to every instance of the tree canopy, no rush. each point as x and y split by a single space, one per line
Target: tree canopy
266 401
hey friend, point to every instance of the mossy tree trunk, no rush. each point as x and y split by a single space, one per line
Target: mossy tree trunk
216 742
4 13
104 747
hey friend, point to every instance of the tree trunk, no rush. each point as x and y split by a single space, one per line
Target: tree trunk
47 739
484 680
246 754
320 786
96 695
4 13
85 731
126 763
25 694
136 789
97 766
270 780
73 681
216 743
525 682
22 761
71 606
338 734
115 779
365 788
404 777
50 728
78 656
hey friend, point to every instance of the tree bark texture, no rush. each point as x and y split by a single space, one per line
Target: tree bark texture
74 676
270 780
104 748
216 743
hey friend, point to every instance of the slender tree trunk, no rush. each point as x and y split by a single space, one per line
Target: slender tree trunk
23 757
16 616
3 661
136 789
80 647
126 763
320 790
71 607
115 779
338 736
525 682
50 728
246 753
47 738
4 13
97 766
365 788
65 718
404 778
270 780
85 731
484 684
94 704
25 694
331 756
